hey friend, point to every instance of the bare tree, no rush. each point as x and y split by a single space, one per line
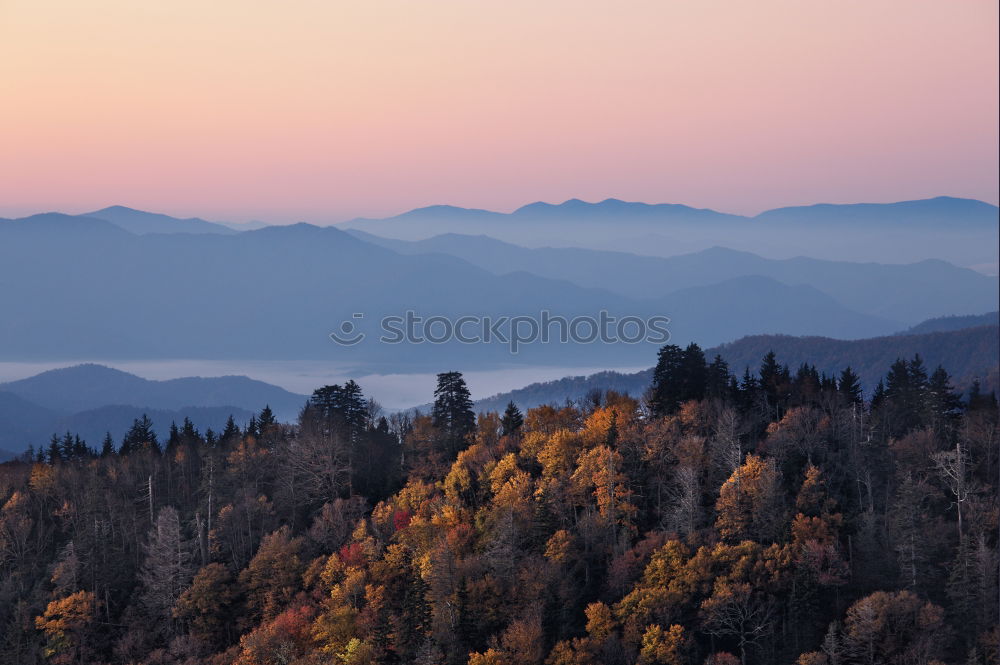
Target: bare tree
735 610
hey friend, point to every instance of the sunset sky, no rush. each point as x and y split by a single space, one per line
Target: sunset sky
322 110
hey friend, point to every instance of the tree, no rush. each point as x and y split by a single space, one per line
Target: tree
266 420
342 409
944 404
231 432
665 393
739 611
664 647
167 569
718 379
908 517
107 446
141 436
512 420
750 502
953 467
679 376
67 623
849 387
271 577
207 605
893 627
774 380
452 412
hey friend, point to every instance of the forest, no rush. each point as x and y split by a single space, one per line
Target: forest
722 518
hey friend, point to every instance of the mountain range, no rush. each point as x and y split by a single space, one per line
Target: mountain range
83 288
906 292
961 231
91 400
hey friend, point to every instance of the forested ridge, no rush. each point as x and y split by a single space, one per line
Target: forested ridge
777 516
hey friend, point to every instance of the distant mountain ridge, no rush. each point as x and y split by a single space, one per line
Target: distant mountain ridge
922 210
277 293
946 323
27 425
963 231
906 292
91 386
967 354
91 399
141 222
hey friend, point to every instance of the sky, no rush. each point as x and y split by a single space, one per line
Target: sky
322 110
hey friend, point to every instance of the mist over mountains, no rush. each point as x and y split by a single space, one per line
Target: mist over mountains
117 286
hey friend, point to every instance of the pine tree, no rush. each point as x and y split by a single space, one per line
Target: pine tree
55 450
666 391
452 412
694 373
141 436
266 420
944 404
341 409
849 386
173 438
717 380
512 420
108 446
189 433
231 432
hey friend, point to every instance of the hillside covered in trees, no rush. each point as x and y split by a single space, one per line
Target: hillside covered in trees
969 353
766 516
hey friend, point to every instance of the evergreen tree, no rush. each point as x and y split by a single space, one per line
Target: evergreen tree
944 404
141 436
774 381
694 373
55 450
108 446
878 396
231 432
850 386
665 393
174 437
341 409
189 433
452 413
718 380
512 420
266 420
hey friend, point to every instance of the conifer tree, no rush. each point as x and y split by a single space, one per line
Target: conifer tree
452 413
512 420
107 446
849 386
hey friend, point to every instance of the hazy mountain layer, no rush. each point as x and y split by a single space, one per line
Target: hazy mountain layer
910 292
962 231
88 289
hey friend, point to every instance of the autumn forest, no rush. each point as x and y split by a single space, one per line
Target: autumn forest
772 515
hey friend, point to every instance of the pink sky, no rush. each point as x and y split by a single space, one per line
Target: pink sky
319 110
